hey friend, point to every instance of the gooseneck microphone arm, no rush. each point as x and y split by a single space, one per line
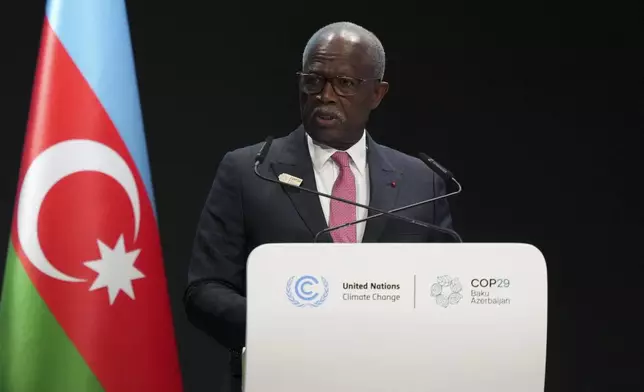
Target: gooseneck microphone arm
450 232
445 174
435 166
261 156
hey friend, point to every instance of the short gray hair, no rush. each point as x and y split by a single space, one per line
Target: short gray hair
374 46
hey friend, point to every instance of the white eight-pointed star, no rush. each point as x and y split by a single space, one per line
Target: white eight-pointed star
115 269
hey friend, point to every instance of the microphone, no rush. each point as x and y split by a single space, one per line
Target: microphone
445 174
261 156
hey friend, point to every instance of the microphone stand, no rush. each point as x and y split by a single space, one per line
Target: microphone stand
263 152
450 232
380 212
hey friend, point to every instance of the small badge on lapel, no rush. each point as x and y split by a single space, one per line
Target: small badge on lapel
289 179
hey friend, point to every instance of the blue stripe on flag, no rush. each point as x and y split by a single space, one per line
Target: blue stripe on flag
96 35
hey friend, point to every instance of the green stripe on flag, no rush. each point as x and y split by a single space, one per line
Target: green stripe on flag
35 353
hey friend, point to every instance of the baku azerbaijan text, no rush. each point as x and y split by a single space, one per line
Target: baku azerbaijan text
481 297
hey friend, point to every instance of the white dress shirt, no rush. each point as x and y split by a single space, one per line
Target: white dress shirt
326 171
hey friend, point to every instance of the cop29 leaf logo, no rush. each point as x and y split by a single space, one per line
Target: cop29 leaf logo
307 290
447 291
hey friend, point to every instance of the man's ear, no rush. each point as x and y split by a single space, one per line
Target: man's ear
379 93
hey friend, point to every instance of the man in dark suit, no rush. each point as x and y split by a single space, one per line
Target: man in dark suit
340 84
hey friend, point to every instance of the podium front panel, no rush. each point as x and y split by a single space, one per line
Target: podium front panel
396 317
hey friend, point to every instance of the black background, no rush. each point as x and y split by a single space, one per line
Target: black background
535 106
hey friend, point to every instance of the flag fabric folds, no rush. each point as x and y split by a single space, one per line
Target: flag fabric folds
84 303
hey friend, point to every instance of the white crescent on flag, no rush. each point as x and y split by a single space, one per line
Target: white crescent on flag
49 167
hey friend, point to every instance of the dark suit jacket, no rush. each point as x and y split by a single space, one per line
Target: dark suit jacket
243 211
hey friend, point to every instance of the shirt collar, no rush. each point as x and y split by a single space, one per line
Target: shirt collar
320 154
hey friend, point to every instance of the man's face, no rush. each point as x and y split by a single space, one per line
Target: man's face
338 92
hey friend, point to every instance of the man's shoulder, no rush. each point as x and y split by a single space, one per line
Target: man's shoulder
243 153
248 152
402 161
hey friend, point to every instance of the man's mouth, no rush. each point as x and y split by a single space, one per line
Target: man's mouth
325 115
326 119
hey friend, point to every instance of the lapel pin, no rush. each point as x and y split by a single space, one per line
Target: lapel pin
393 184
289 179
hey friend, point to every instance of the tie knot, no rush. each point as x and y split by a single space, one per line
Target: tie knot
342 158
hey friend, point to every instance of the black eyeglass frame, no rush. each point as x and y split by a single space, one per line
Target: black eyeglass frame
333 80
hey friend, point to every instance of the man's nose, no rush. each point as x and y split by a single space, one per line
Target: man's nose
328 93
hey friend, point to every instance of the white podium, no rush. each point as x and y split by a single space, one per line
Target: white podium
396 318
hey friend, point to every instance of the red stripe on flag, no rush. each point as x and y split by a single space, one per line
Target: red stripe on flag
130 344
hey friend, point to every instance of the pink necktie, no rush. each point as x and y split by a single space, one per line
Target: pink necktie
345 188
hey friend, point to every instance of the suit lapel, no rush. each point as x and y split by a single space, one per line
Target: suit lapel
384 185
295 160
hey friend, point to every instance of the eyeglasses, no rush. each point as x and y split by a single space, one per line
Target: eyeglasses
343 85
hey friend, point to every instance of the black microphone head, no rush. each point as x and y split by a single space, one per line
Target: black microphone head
261 155
445 174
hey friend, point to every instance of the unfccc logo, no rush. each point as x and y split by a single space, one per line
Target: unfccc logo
447 291
307 290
